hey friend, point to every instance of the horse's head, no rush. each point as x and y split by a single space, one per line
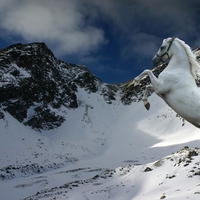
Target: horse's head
163 53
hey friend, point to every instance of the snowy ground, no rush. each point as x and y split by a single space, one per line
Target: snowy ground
102 151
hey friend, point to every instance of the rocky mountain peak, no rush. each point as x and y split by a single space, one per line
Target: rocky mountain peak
34 83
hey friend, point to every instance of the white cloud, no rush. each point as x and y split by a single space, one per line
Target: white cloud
61 23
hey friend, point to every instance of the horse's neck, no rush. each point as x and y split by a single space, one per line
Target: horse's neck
179 62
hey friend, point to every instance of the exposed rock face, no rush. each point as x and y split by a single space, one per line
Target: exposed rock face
34 84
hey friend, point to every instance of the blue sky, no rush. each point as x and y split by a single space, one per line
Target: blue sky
114 39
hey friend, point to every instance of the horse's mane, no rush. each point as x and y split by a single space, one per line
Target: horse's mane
194 65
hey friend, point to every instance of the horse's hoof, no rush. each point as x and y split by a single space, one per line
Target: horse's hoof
147 106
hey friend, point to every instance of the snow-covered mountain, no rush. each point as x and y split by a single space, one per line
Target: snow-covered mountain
67 135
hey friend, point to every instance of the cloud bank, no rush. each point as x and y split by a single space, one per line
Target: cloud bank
63 24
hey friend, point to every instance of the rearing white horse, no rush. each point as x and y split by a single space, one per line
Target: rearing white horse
176 83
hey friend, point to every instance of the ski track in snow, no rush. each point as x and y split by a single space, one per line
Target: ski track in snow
102 151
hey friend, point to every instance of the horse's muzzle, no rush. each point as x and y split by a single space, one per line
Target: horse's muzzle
157 61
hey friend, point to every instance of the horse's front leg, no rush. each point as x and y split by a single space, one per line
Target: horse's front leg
139 77
155 85
155 82
145 96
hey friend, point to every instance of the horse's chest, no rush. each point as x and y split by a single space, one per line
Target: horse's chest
168 79
167 83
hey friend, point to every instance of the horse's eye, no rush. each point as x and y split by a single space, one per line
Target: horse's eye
162 47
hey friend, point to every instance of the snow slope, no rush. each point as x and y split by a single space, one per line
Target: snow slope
102 151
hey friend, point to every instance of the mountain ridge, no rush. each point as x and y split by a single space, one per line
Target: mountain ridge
34 83
30 74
